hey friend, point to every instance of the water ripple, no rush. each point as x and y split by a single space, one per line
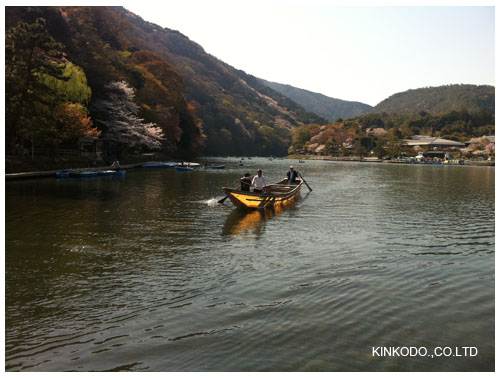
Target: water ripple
143 274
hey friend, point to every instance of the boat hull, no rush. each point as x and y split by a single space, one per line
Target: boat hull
190 164
216 167
89 174
280 194
111 173
159 165
184 169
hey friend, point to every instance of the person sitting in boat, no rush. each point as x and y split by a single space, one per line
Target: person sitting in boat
259 182
291 175
115 165
246 182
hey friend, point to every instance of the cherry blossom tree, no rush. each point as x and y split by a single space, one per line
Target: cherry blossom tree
117 114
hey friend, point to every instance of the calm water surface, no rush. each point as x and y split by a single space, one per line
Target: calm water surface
145 273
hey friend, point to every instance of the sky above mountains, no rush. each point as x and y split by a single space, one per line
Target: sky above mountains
356 53
363 53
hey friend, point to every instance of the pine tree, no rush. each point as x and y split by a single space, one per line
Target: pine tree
30 53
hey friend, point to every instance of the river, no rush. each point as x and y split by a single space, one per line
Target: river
148 273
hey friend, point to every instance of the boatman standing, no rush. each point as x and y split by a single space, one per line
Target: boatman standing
291 175
259 182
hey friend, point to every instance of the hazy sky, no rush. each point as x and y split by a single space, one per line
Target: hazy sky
352 53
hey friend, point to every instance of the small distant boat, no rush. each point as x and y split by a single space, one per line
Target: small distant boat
240 164
215 167
83 174
301 161
62 174
280 193
159 164
89 174
181 168
111 172
190 164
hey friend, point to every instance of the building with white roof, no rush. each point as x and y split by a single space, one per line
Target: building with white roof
431 142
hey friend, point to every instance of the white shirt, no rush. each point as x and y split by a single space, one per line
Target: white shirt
259 182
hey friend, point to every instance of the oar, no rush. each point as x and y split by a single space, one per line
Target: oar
305 182
222 199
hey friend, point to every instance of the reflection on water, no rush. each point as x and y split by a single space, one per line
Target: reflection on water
251 221
148 274
241 221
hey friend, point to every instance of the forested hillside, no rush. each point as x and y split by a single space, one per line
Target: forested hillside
383 134
131 98
438 100
169 93
238 114
327 107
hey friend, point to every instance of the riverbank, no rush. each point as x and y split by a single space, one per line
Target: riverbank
21 168
52 173
485 163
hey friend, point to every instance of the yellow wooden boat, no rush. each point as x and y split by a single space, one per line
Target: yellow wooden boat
277 194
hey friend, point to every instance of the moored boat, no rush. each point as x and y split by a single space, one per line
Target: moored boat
83 174
159 164
111 172
181 168
62 174
89 174
277 194
191 164
216 167
187 166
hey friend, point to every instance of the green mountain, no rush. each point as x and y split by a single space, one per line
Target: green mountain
327 107
438 100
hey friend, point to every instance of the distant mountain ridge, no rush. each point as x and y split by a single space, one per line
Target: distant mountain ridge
328 107
438 100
